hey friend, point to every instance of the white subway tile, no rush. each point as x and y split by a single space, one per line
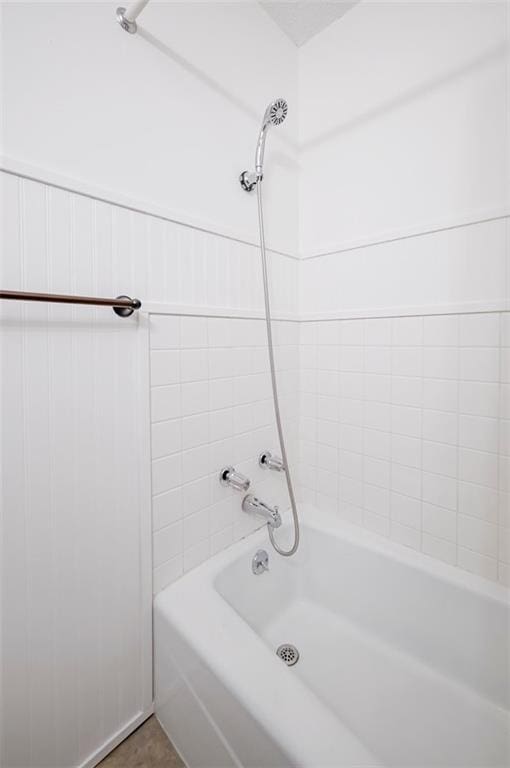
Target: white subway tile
164 366
440 523
194 365
164 331
440 427
195 528
479 364
406 450
166 438
194 332
377 360
328 332
351 491
441 331
478 467
195 464
377 388
439 491
166 574
376 523
351 359
196 555
440 394
406 421
440 363
407 331
378 332
406 481
504 545
439 548
407 391
166 473
479 330
407 537
351 385
352 332
477 563
167 508
197 494
166 403
377 416
479 433
405 510
440 458
195 397
478 501
350 464
478 398
377 443
505 329
407 361
376 499
376 472
195 431
166 543
478 535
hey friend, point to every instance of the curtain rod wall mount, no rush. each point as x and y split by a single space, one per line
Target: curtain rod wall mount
126 17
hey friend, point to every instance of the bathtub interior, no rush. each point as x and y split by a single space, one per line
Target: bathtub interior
415 663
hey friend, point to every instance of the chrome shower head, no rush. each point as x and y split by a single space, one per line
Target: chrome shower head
275 114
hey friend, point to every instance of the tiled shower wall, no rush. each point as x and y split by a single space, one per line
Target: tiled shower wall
405 430
211 407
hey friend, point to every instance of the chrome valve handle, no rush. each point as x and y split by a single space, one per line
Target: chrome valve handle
237 481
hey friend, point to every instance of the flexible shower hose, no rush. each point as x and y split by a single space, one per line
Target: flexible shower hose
276 402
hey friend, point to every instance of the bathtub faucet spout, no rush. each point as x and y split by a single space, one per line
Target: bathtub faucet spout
270 514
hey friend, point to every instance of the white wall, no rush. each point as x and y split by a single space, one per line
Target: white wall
403 121
169 116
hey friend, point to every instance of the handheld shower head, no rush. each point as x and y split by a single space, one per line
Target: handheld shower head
275 114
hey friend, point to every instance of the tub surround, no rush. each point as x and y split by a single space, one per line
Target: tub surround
401 624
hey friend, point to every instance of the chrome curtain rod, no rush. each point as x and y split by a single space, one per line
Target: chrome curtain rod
123 306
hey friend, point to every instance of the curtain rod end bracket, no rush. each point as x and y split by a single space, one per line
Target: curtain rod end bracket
127 311
126 24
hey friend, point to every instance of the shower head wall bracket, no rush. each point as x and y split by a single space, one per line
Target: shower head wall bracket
249 180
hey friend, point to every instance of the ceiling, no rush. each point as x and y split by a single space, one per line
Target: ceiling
302 20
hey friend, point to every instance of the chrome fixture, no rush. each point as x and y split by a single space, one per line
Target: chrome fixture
268 461
237 481
127 17
270 514
288 653
275 114
260 562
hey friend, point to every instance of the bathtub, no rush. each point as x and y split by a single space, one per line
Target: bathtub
403 661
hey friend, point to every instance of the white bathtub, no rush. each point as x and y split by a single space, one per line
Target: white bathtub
404 661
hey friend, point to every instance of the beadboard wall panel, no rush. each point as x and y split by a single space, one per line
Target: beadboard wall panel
76 461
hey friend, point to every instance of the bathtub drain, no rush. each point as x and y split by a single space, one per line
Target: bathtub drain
288 653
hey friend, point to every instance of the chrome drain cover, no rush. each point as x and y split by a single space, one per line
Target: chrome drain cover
288 653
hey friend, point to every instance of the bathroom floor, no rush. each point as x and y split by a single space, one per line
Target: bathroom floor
147 747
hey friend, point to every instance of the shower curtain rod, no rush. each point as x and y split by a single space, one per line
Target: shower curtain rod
127 17
123 306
